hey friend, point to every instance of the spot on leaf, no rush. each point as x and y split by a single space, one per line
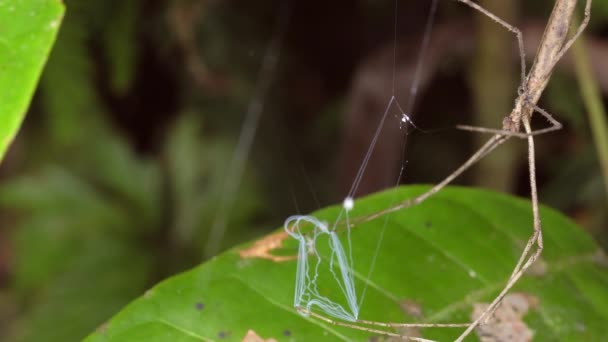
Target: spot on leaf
538 269
601 258
252 336
103 328
262 248
507 322
411 308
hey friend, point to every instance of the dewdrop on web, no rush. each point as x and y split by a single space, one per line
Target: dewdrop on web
348 204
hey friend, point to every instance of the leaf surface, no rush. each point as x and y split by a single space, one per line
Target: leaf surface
27 32
440 257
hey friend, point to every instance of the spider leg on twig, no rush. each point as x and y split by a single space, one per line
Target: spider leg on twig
526 259
553 46
555 125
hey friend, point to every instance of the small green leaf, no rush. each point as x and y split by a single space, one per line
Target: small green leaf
27 32
456 249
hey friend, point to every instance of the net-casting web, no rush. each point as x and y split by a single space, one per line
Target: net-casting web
308 230
340 264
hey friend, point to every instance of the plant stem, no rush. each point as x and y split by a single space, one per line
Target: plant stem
593 103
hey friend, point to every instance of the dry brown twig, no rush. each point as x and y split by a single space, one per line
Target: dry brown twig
553 46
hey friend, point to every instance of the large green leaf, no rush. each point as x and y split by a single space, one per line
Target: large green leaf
27 31
453 250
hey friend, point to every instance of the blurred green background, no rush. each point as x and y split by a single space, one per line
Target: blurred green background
122 165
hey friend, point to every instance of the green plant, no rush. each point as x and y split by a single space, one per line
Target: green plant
437 260
27 32
98 231
108 193
93 222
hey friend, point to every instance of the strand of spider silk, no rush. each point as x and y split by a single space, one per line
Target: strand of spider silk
332 256
252 117
346 208
370 150
413 90
335 246
381 238
424 46
395 45
305 300
413 93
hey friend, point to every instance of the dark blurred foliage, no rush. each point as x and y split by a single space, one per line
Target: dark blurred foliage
116 176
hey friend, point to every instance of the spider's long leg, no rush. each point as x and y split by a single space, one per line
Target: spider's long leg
515 30
535 238
579 31
414 325
525 259
372 330
484 150
555 125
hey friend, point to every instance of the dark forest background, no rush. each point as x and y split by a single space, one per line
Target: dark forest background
120 170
